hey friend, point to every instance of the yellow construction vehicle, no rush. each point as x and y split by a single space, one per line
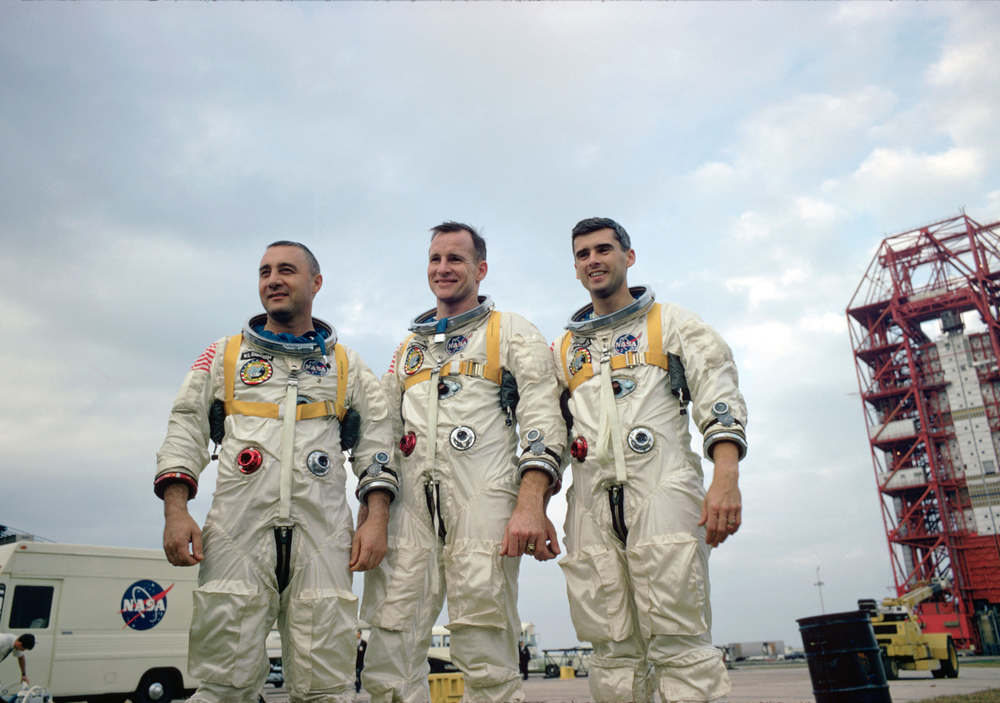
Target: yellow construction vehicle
902 640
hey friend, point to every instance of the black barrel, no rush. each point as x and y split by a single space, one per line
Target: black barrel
844 659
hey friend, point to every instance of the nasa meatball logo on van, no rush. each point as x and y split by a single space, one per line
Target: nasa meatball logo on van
144 604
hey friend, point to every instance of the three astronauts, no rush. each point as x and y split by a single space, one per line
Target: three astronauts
458 451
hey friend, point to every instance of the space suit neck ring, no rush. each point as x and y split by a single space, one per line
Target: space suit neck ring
426 323
288 348
582 321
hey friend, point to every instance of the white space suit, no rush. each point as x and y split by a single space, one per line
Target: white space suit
459 476
277 540
636 565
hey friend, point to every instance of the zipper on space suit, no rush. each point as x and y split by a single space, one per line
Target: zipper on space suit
283 525
616 497
282 565
432 492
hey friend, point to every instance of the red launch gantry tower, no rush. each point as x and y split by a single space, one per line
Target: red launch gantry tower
931 394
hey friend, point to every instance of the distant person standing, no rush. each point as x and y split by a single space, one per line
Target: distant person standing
524 656
9 643
362 648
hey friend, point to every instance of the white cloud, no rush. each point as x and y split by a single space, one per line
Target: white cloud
765 345
971 63
993 199
858 14
714 174
810 132
760 288
895 168
904 183
752 226
814 212
964 100
830 323
783 353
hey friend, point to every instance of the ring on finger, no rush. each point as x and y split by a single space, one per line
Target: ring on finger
529 548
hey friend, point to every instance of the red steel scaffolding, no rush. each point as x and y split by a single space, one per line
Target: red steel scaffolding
931 396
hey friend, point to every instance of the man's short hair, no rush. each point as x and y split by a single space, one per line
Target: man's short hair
27 641
478 243
593 224
310 257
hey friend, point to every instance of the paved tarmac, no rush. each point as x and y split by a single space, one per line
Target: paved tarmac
760 684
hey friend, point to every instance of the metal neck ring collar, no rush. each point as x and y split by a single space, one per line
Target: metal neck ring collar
425 323
288 348
582 323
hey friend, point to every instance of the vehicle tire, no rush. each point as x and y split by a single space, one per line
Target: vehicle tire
552 671
156 686
891 667
949 666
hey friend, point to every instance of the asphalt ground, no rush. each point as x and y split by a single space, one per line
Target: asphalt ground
759 684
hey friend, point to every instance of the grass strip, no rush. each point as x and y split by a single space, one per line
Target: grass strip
991 696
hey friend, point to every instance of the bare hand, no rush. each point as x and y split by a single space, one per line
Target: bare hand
721 511
551 542
182 538
528 525
371 540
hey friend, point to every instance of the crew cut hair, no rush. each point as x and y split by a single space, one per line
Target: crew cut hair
478 243
592 224
310 257
27 641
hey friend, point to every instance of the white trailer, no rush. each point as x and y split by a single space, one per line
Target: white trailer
108 622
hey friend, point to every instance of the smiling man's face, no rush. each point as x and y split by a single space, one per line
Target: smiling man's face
601 265
286 286
454 272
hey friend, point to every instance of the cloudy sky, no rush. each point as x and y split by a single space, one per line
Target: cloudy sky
756 152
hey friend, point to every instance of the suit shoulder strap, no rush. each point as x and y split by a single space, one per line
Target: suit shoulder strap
343 367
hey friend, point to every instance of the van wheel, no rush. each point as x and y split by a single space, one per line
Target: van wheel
552 671
156 686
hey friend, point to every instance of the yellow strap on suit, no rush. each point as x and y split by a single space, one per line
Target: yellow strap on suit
491 371
653 357
306 411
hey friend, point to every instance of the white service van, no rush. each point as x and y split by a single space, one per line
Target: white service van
109 622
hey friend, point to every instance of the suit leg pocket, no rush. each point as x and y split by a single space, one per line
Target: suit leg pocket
669 579
320 624
475 584
227 632
597 585
393 589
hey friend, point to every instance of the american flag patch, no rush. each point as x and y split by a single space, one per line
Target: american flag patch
204 362
392 362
